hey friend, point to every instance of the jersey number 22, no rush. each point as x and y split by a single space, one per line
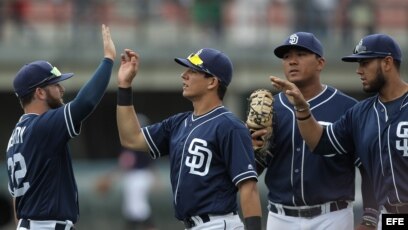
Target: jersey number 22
17 171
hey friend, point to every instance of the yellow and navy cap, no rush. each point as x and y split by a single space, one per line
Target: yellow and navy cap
211 61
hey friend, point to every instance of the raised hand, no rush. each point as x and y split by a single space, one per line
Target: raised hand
108 45
129 65
290 90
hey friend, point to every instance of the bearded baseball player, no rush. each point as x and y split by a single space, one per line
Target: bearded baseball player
375 129
40 173
211 156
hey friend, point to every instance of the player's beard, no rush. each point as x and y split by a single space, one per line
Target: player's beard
53 102
378 82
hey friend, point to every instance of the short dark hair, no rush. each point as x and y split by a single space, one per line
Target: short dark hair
26 99
222 89
397 65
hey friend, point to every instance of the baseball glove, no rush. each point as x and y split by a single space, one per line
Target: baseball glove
259 116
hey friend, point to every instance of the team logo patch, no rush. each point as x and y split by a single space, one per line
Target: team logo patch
199 157
293 39
402 132
360 48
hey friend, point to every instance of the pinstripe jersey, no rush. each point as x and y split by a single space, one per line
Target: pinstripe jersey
296 177
378 133
209 156
40 171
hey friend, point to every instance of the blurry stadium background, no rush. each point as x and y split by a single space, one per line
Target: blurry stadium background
67 33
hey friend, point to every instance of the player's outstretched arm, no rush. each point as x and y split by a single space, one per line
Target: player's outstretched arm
128 125
92 92
250 204
309 128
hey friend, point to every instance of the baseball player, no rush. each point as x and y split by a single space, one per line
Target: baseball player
210 151
375 129
308 191
41 178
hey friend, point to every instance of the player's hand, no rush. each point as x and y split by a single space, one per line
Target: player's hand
108 45
257 140
129 65
292 92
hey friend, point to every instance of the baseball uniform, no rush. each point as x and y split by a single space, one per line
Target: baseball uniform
209 155
39 164
304 188
377 133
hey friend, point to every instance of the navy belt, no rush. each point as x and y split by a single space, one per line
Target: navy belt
190 222
26 224
396 209
309 212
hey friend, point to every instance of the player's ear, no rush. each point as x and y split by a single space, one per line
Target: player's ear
213 82
387 62
321 63
40 93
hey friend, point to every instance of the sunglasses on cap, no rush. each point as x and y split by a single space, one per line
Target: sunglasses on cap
196 60
55 73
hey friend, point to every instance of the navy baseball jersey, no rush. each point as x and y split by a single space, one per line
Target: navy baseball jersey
38 157
39 164
209 156
378 133
296 177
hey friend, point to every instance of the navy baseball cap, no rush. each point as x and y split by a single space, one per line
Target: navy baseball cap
210 61
302 40
37 74
375 46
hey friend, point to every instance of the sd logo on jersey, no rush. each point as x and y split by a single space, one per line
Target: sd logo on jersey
402 132
200 160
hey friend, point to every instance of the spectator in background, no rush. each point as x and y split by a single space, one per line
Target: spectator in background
137 174
59 16
249 19
356 16
314 16
344 21
302 12
142 10
85 16
208 15
20 10
323 17
79 15
363 15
